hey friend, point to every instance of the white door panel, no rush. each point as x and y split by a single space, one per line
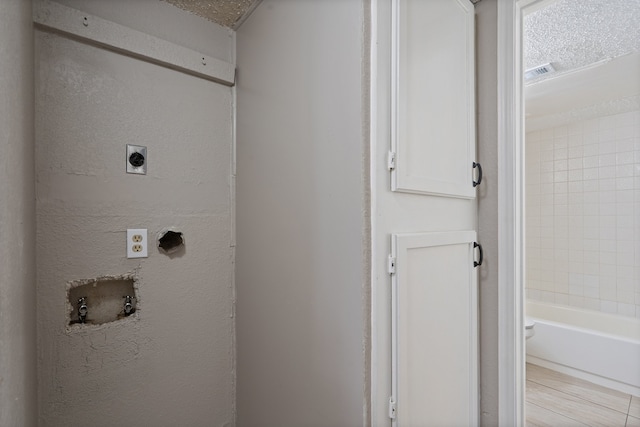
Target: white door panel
435 331
433 97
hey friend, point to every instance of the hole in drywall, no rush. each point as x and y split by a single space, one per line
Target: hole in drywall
170 241
102 300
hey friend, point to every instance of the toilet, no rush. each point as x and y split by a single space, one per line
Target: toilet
529 325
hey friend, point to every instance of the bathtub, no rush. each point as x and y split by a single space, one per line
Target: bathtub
597 347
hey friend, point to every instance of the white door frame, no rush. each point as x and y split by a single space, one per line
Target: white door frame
511 341
511 354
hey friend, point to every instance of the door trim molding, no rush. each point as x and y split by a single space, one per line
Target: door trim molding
511 351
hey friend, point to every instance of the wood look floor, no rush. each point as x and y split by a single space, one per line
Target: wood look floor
558 400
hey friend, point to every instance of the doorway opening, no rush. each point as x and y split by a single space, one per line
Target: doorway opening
580 96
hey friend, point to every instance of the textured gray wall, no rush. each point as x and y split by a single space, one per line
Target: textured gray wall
301 194
487 87
173 362
17 218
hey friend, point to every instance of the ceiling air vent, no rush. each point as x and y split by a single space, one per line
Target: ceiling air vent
538 71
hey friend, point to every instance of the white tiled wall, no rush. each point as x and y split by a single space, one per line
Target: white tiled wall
583 214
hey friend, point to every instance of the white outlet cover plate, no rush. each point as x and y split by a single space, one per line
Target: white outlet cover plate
137 246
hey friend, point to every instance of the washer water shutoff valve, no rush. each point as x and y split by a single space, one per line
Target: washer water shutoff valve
82 309
128 305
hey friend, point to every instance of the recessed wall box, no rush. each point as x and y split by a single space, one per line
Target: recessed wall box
101 300
136 159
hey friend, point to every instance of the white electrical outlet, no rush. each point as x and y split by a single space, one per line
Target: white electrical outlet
137 243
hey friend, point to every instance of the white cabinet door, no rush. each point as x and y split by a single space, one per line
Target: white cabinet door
425 214
433 97
434 329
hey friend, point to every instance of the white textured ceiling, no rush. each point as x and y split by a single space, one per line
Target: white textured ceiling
228 13
572 34
595 47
